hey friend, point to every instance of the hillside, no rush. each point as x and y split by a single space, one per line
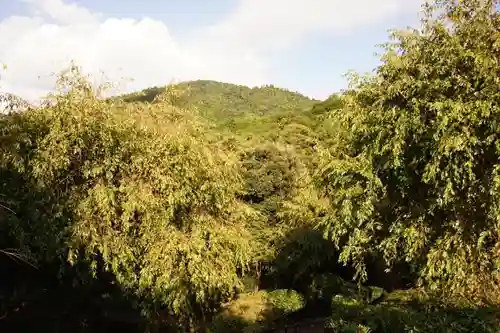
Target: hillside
218 100
265 112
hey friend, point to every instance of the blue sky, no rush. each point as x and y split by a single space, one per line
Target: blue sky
303 45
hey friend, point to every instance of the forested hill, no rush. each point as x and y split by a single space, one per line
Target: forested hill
218 99
267 112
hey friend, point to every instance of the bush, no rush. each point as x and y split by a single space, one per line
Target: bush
285 301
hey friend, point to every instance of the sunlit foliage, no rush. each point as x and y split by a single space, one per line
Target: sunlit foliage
413 171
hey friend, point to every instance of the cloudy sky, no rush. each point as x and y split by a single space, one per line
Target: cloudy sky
303 45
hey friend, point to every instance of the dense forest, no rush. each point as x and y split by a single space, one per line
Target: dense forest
212 207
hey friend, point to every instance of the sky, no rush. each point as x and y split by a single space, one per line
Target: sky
301 45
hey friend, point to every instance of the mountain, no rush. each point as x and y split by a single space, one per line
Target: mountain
265 113
218 100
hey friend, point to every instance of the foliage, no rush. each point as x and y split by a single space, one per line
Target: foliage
409 312
206 206
285 301
257 311
152 193
224 101
332 103
413 171
271 172
278 186
131 193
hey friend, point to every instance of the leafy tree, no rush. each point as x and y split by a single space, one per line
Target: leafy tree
132 191
413 172
271 172
333 102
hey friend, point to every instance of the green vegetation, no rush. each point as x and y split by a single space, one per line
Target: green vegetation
211 207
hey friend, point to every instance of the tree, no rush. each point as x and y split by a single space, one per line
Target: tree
414 172
133 191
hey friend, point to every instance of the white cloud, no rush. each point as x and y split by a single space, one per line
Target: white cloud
36 47
279 23
233 50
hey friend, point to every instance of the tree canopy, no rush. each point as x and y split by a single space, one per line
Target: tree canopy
414 167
